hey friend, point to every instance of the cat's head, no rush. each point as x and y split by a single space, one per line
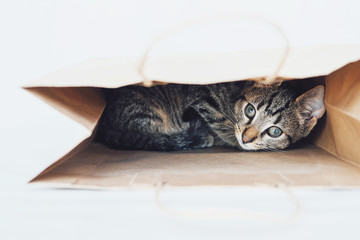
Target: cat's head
270 117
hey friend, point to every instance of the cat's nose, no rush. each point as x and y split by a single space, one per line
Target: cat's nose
245 139
249 135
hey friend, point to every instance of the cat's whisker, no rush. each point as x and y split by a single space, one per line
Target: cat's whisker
274 149
224 135
232 120
234 115
227 126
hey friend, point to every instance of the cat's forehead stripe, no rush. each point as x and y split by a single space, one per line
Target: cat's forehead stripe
260 105
278 119
282 108
271 100
243 98
278 110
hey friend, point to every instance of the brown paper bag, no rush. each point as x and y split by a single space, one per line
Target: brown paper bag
330 158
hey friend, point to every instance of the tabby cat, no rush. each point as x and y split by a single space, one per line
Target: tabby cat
244 115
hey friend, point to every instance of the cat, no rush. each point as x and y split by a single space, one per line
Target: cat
245 115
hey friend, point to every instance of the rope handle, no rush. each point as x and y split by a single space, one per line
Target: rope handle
267 80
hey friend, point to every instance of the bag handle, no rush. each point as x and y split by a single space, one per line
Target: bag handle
267 80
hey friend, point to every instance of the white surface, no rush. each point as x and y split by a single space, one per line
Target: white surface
38 37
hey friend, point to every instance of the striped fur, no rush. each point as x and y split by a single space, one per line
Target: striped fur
177 117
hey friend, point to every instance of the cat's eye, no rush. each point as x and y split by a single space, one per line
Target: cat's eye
250 111
274 132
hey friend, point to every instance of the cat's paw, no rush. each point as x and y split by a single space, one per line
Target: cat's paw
209 142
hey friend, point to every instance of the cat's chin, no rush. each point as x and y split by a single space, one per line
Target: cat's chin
244 147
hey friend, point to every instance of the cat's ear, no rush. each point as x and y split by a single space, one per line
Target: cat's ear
310 106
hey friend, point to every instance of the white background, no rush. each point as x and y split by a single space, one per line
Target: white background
39 37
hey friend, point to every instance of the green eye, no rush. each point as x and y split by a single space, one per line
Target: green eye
274 132
250 111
